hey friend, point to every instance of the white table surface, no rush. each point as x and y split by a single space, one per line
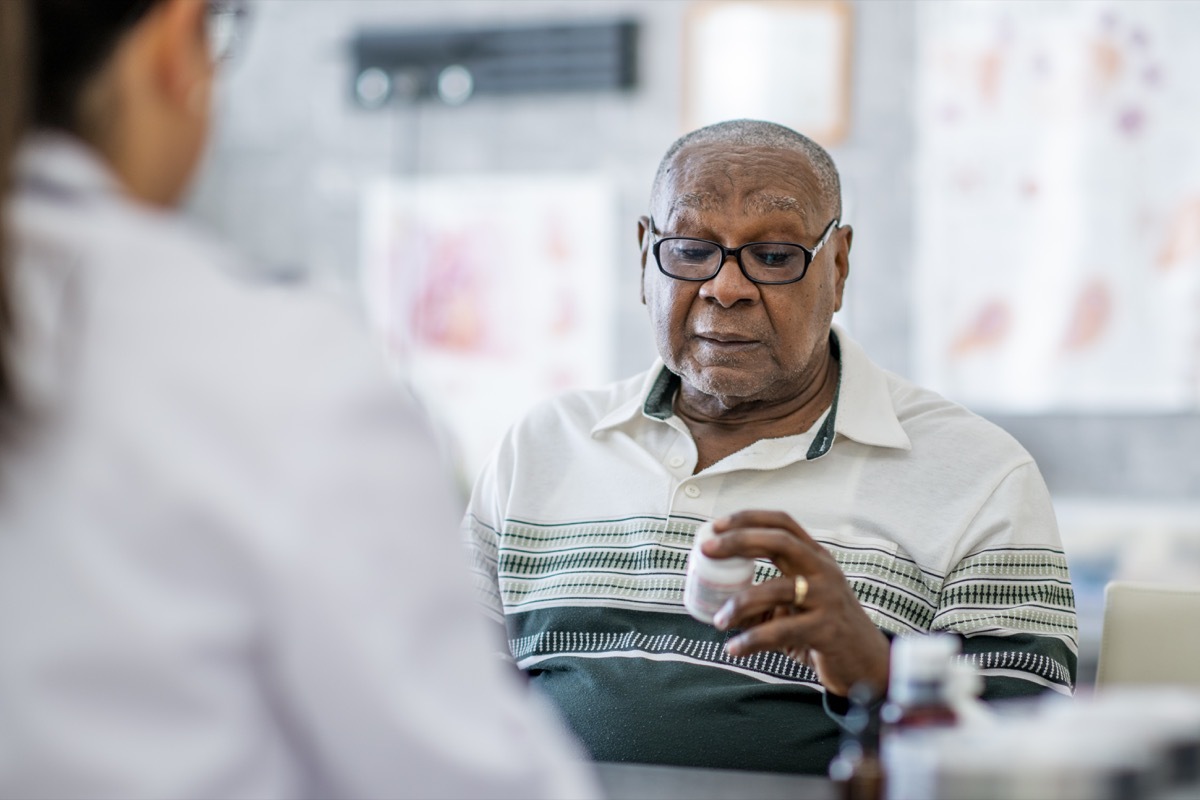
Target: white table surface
656 782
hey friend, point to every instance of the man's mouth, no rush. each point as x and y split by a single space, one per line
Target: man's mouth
727 338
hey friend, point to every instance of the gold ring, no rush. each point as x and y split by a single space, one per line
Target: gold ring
801 587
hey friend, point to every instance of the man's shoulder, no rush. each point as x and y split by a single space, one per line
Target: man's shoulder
931 419
583 408
883 408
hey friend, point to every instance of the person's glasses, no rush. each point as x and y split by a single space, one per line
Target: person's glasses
225 21
761 262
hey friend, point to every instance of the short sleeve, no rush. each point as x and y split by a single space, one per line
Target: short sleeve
1008 592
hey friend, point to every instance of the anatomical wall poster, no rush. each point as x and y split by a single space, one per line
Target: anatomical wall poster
1058 205
491 293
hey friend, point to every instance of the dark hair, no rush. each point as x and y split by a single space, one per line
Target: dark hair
49 49
13 42
72 39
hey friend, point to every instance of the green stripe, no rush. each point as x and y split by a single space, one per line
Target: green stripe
576 630
987 592
676 713
658 399
824 438
1044 656
642 561
633 560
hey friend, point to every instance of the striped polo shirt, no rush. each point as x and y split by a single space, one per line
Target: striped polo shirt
581 524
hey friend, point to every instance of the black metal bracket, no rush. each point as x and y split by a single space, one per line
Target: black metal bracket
454 65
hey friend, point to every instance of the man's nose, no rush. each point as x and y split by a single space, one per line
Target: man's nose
730 285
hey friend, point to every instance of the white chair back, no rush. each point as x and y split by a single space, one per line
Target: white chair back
1151 635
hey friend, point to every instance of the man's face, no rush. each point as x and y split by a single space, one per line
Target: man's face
729 338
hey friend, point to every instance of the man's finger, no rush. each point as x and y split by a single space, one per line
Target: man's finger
788 552
759 518
782 633
749 606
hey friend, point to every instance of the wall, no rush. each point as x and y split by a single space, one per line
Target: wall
291 152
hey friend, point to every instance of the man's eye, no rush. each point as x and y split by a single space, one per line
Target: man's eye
776 257
690 252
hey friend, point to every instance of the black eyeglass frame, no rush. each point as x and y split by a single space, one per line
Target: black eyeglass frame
233 14
736 252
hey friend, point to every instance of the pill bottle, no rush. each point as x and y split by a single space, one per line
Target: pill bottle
917 710
920 684
712 581
857 770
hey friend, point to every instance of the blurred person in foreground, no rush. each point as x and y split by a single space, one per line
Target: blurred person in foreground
875 508
13 41
228 560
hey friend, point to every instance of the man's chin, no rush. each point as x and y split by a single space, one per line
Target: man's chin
729 384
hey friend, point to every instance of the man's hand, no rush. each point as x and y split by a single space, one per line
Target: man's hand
829 629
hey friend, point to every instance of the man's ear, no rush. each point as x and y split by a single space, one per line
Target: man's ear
179 48
841 260
643 235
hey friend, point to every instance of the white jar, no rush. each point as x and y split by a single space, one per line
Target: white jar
712 581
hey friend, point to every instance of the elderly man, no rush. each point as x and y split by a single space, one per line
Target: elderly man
875 508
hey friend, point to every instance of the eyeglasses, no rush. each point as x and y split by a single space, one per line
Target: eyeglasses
225 21
689 259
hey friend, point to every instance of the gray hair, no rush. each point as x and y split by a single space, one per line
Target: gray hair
757 133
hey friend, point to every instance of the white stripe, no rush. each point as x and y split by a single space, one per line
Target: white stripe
598 547
526 663
663 606
1062 637
1027 676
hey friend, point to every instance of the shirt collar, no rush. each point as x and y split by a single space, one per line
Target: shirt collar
659 382
60 164
865 412
862 407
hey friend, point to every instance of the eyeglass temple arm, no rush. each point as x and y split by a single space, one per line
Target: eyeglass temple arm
834 224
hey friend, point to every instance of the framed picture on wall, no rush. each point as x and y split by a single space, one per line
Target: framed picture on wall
787 61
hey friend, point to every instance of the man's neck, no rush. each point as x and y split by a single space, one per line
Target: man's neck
720 429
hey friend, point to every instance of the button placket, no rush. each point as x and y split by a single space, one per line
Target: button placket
695 496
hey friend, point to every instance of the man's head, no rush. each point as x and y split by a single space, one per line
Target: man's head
743 343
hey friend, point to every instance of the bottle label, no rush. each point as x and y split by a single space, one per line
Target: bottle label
910 763
704 598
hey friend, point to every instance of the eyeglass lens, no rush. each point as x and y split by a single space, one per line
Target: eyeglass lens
693 259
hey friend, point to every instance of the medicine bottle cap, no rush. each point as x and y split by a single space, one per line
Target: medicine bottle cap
724 570
919 661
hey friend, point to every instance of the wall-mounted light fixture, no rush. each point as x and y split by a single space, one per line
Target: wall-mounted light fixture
455 65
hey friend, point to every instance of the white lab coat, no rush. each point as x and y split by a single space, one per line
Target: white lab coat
229 563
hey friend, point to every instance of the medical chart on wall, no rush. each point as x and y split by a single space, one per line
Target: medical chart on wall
1058 205
491 293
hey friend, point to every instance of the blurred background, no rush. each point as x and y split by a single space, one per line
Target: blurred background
1023 180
